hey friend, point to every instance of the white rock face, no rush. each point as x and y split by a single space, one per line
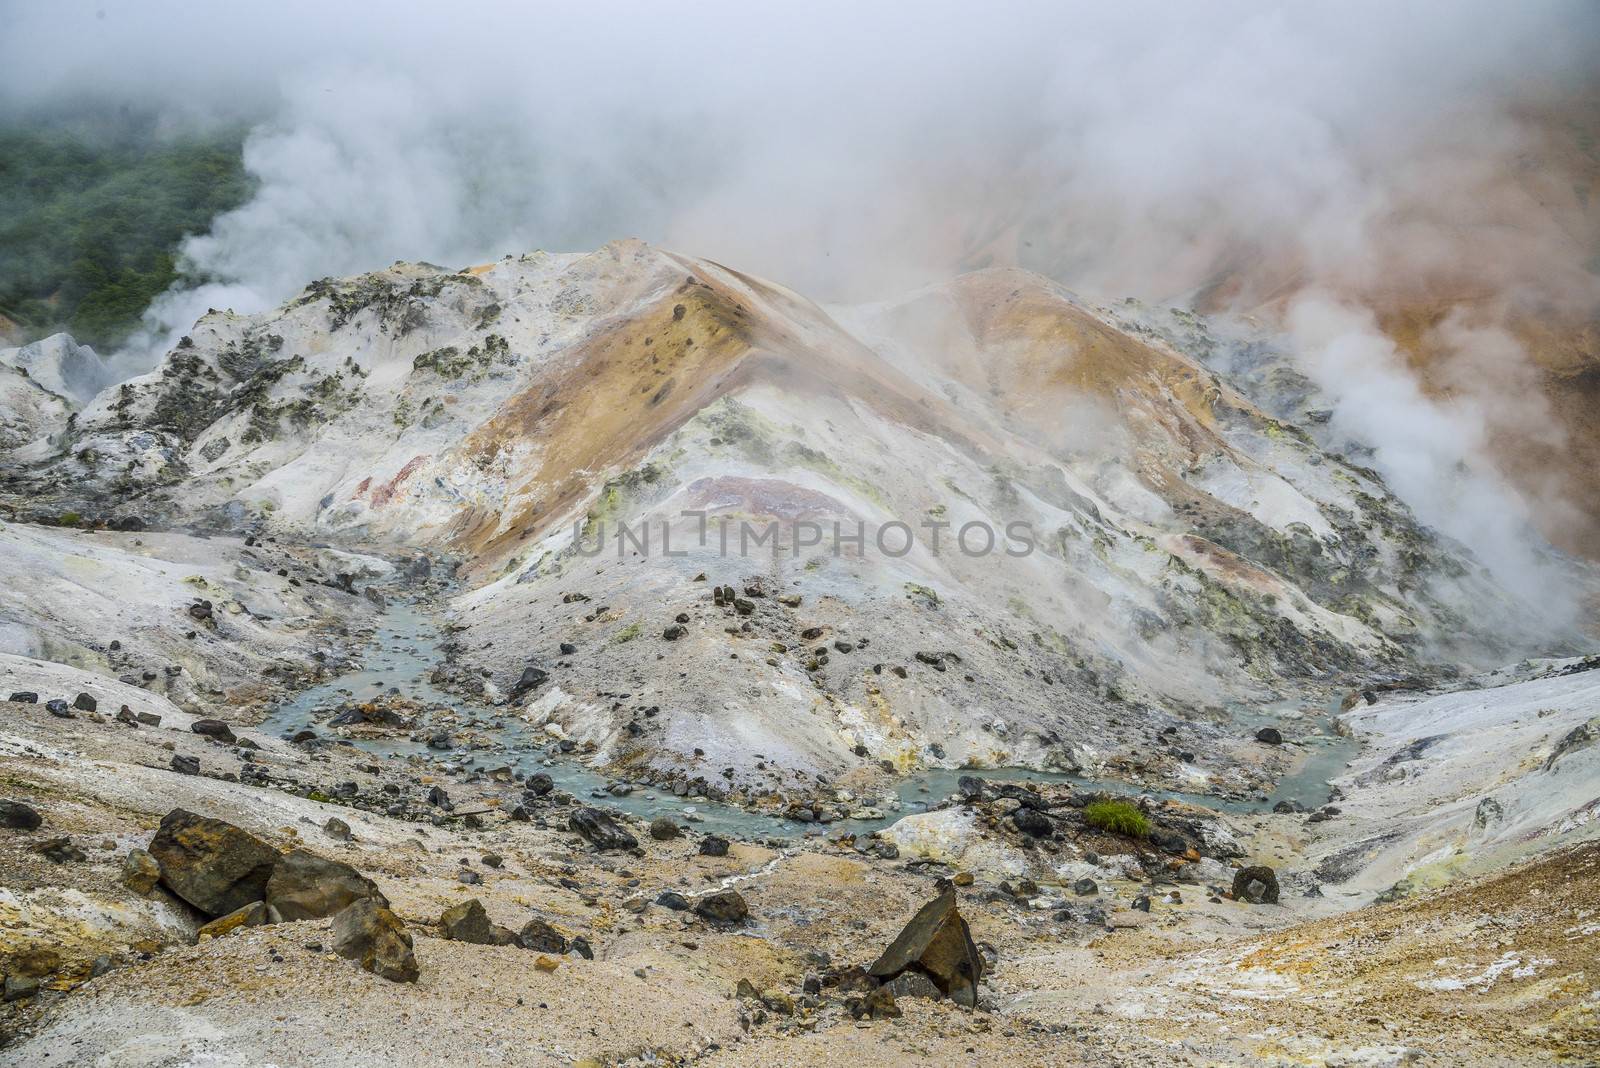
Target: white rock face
1456 783
1179 550
60 365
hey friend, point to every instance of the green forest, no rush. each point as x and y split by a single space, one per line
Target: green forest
91 219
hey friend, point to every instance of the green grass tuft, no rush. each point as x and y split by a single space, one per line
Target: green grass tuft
1118 817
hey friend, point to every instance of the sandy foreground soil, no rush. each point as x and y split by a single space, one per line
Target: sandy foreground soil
1492 969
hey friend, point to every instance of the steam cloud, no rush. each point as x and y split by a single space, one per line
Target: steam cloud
1308 163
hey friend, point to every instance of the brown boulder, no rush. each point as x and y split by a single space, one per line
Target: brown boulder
305 886
214 866
375 938
937 943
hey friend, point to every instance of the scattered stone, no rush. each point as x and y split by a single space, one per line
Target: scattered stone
468 922
375 938
663 829
1086 887
61 851
17 816
304 886
1257 884
1269 735
727 906
600 830
18 987
673 900
1032 822
539 936
58 708
215 729
186 765
539 784
713 846
337 829
84 703
140 872
938 943
214 866
25 697
254 914
877 1005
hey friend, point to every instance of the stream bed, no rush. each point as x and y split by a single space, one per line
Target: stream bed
407 647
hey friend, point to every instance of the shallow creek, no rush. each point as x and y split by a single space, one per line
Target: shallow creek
407 647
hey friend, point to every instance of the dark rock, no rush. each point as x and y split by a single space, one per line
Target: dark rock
214 728
186 765
200 611
468 922
214 866
970 787
600 830
84 703
17 816
60 851
713 846
913 984
1257 884
1142 902
1269 735
18 987
727 906
540 937
933 660
1085 887
532 678
304 886
539 784
1031 821
662 829
149 719
936 942
567 648
581 947
303 735
25 697
674 632
372 936
337 829
59 709
671 899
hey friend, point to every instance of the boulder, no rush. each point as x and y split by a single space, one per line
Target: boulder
713 846
84 703
1270 736
304 886
662 828
937 943
728 906
375 938
600 830
214 866
1257 884
17 816
468 922
186 765
25 697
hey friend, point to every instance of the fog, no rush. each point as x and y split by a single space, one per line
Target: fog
1308 164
